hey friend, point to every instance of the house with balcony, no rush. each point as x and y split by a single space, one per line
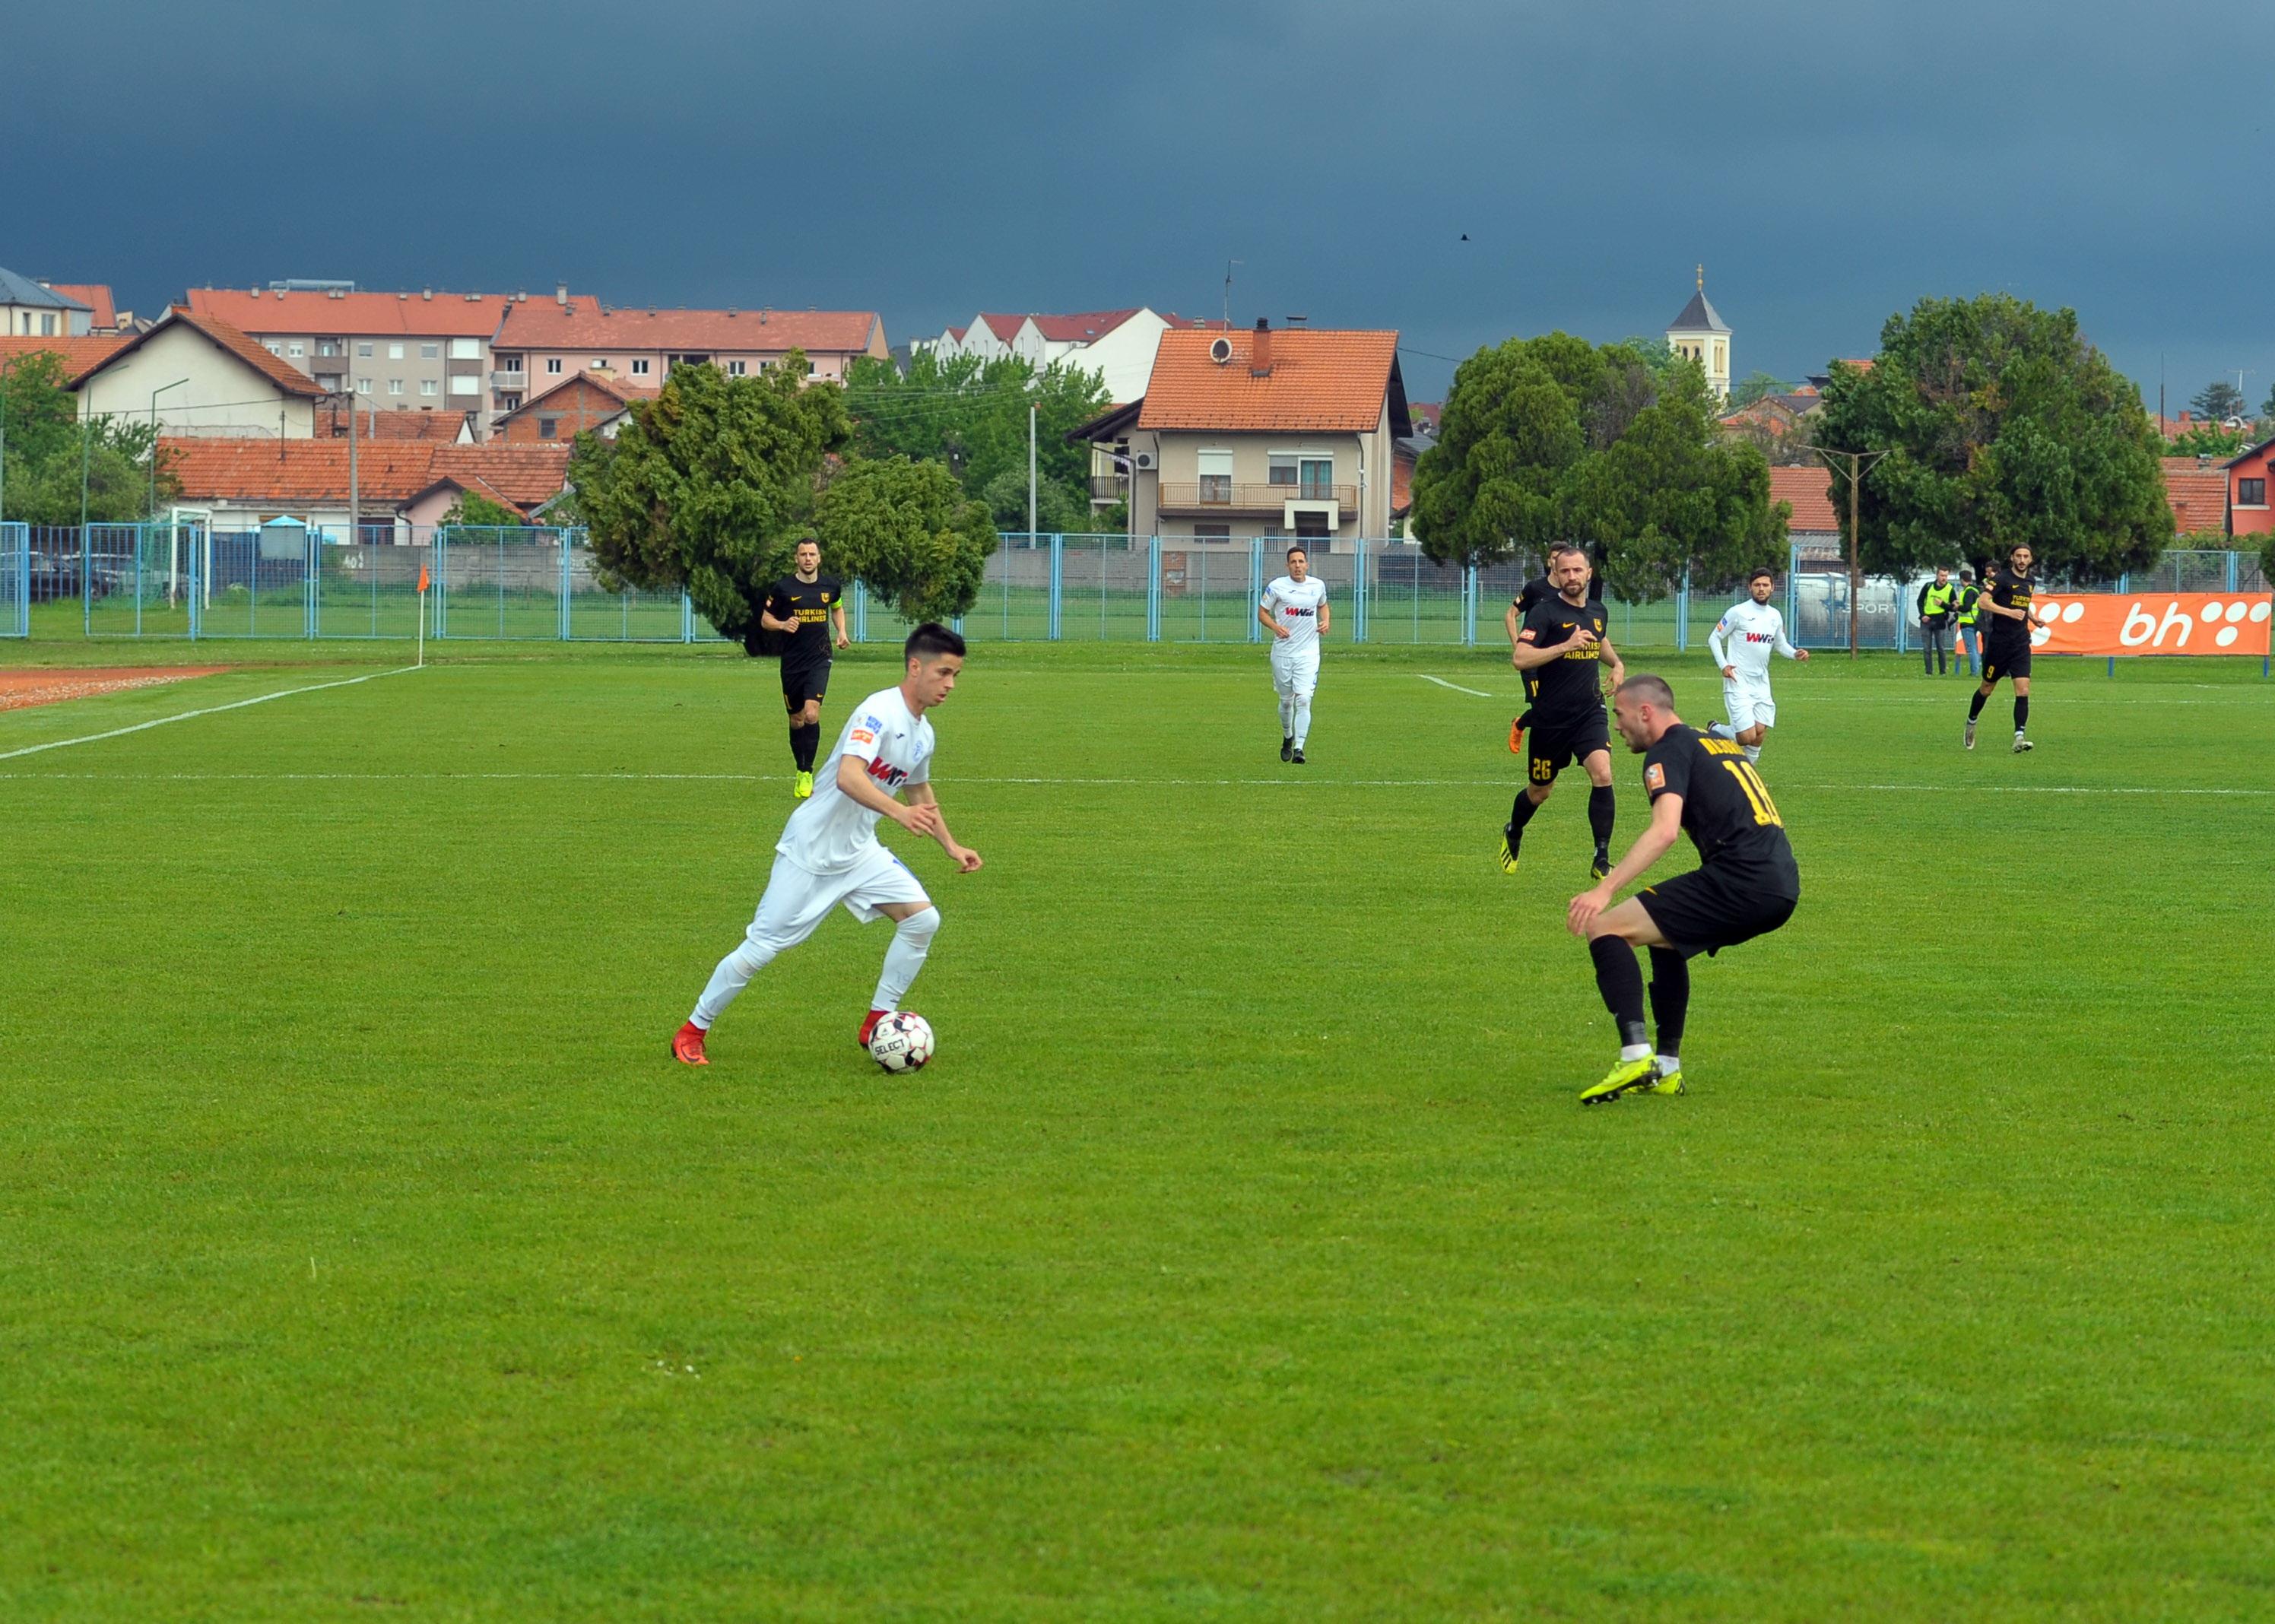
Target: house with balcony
423 351
2248 512
540 344
1287 433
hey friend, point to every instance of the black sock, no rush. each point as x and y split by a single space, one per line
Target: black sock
1975 705
1602 801
1620 980
804 741
1670 996
1520 813
2021 712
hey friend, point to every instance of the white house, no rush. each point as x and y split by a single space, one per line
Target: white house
199 376
1116 345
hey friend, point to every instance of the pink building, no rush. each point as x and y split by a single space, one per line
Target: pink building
549 342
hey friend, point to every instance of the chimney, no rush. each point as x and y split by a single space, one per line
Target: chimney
561 294
1260 354
426 294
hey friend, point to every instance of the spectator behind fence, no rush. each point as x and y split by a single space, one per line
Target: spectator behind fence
1936 601
1969 644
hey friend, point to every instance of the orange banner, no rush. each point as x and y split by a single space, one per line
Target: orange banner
2151 622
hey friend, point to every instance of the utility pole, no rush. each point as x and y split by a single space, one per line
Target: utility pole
161 390
1228 264
1857 463
1030 473
355 528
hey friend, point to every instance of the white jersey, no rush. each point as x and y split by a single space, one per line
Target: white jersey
1745 637
833 832
1294 606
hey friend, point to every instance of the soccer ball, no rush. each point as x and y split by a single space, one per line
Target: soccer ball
902 1042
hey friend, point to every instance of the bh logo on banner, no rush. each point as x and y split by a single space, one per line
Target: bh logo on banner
2151 623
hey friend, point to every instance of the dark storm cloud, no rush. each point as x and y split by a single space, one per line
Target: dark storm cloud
1830 163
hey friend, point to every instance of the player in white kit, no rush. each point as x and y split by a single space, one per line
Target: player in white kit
1295 612
1742 642
829 853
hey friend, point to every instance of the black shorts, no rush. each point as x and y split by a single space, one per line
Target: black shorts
1549 749
1998 662
1716 906
804 681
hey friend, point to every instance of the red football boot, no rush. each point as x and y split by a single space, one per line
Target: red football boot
869 1026
687 1046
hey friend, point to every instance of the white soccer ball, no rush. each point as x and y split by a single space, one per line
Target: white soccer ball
902 1042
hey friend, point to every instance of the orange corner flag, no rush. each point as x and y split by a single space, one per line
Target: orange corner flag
422 578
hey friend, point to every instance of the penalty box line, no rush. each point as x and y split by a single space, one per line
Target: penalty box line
209 710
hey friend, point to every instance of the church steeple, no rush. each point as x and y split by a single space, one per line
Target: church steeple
1700 334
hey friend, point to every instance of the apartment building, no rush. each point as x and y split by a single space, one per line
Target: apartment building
540 344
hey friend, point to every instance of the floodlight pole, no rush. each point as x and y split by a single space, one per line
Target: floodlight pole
1031 472
161 390
1857 463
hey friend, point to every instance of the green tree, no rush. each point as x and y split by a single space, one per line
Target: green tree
909 532
971 415
1554 440
2218 401
2002 426
2267 406
1753 387
2207 440
46 445
709 486
473 508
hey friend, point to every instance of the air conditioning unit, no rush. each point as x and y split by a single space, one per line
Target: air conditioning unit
1143 461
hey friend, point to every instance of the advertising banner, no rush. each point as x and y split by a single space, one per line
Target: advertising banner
2151 623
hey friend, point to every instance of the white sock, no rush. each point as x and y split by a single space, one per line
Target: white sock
911 940
1669 1064
1287 721
733 974
1719 729
1301 722
1753 751
1633 1051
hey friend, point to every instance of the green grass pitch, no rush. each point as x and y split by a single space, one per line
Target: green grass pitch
1243 1256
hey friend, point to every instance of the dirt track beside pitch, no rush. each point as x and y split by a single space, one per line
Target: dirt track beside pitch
21 690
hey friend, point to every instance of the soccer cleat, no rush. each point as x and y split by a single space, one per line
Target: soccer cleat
1624 1079
2021 745
1517 737
1507 856
1287 749
1971 735
687 1046
1667 1083
804 786
1600 866
1297 758
869 1026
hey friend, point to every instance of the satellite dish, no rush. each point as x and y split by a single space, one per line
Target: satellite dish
1220 351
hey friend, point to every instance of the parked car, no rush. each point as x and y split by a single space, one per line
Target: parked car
56 576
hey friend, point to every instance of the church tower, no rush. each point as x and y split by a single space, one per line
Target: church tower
1699 334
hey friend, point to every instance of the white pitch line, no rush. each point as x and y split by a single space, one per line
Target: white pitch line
1456 687
210 710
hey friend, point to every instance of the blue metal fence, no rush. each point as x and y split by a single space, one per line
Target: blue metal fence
287 579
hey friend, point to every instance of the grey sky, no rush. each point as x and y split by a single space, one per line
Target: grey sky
1829 163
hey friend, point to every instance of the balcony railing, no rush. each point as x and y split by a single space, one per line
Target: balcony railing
1223 496
508 377
1108 487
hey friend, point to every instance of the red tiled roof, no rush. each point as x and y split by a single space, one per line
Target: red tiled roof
1810 489
432 425
958 333
293 472
546 326
1321 378
1004 327
1081 328
620 388
95 295
80 356
2197 493
285 376
1401 479
446 315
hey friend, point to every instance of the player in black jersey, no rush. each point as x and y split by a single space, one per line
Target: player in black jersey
802 607
1563 645
1746 883
1533 590
2006 601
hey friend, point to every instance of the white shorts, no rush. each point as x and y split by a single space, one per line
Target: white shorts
797 899
1746 703
1294 677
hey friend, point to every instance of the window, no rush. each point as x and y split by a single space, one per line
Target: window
508 363
466 349
811 369
549 428
395 350
294 351
426 386
2251 493
1313 477
395 386
47 323
273 347
639 369
1311 527
363 349
508 400
1216 476
735 369
1211 533
363 386
465 383
328 346
430 352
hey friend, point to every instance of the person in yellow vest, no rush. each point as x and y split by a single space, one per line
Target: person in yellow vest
1938 601
1969 644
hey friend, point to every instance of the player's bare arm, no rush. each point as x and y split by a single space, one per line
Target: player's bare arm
837 614
1610 657
1514 621
1528 655
966 860
1324 617
1664 828
1266 618
921 818
767 619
